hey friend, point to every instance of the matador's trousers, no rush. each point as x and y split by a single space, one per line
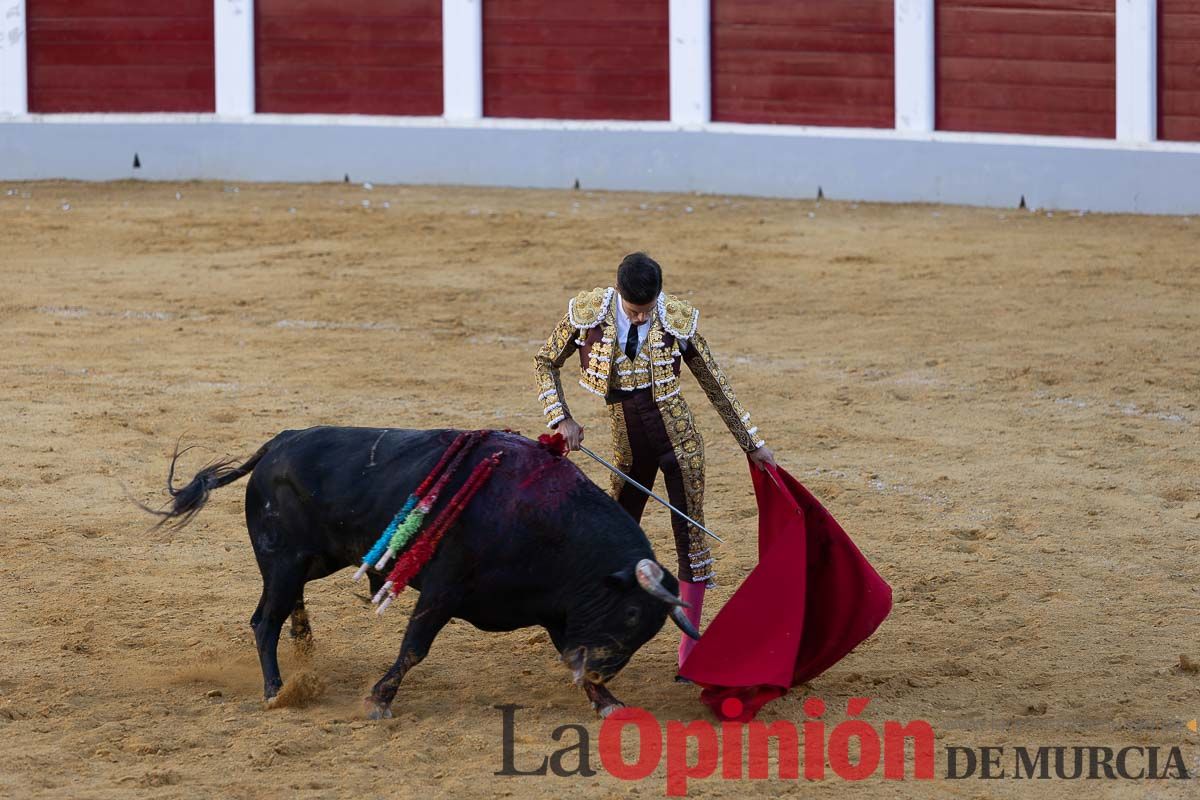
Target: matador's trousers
648 437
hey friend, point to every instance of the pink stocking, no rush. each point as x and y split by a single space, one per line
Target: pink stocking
692 593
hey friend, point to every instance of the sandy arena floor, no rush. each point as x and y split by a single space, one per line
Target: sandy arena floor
999 406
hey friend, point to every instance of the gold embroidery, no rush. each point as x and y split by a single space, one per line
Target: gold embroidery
547 363
662 375
688 446
621 448
597 373
714 383
679 316
586 309
638 373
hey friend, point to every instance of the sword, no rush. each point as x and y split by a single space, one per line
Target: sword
632 482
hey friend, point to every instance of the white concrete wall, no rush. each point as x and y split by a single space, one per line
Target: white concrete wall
723 158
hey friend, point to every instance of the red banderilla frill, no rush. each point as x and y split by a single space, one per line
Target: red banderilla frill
402 531
420 553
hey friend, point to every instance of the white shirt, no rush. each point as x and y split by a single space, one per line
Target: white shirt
643 330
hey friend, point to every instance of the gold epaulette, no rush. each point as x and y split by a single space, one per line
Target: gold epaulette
587 309
679 317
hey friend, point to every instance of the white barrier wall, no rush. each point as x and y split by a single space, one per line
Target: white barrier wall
691 66
233 41
915 66
912 162
462 58
14 95
1137 70
725 159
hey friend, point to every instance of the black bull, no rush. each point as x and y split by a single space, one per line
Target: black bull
540 544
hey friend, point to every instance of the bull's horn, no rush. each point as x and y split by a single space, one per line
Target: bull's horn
649 577
684 623
576 660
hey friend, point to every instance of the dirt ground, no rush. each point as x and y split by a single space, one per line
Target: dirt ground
1000 407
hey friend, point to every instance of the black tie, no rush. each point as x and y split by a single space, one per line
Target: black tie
631 342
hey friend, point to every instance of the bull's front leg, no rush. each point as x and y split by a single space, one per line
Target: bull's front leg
301 631
429 617
603 701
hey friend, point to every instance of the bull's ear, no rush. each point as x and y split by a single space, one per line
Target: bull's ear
621 579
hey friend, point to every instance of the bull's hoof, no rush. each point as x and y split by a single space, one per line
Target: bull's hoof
377 710
609 709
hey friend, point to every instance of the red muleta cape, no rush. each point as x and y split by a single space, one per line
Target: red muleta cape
811 600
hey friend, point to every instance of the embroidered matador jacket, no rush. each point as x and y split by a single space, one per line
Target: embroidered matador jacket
590 326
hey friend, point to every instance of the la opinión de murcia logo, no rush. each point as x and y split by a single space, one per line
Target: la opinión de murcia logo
697 749
738 749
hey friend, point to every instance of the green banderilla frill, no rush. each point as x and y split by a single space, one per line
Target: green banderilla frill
403 535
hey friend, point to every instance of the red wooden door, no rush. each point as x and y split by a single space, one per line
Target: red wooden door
348 57
1179 70
1027 66
117 55
806 62
576 59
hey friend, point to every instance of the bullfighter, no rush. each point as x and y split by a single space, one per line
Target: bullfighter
632 340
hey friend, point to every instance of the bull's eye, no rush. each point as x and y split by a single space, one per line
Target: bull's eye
632 615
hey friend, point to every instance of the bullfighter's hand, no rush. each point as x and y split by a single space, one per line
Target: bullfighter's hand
572 431
762 457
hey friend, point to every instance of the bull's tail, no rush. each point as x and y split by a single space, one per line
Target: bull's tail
191 497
